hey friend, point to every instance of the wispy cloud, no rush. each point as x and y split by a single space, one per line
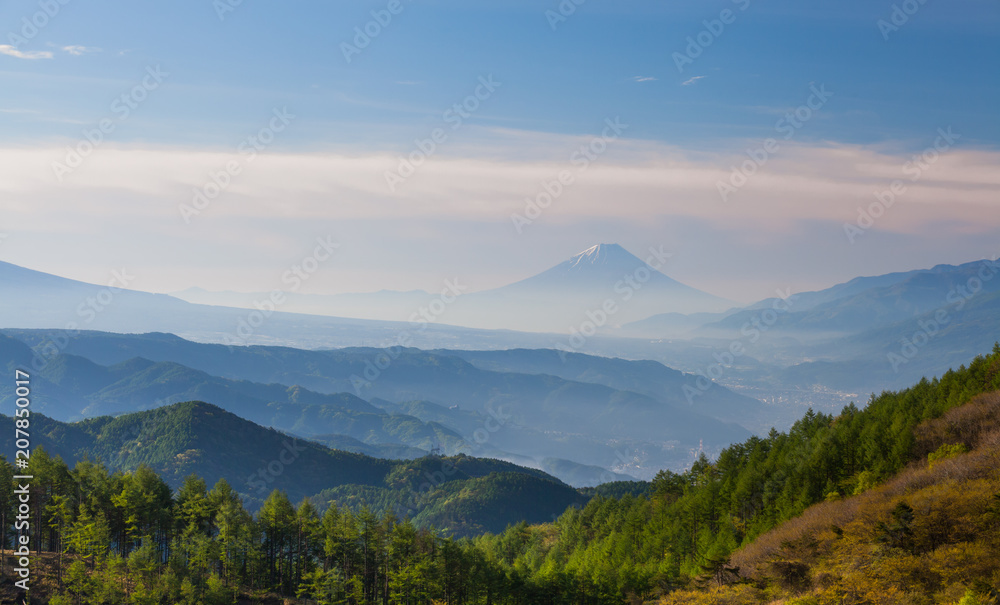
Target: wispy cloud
691 81
644 79
80 50
837 179
137 190
10 51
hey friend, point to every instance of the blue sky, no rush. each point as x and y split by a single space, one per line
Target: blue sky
937 69
557 88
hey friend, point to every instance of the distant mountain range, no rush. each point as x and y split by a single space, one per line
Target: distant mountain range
856 306
820 349
867 303
868 334
649 378
556 300
69 305
384 305
422 400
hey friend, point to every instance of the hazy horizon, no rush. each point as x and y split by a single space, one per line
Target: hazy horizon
215 162
390 290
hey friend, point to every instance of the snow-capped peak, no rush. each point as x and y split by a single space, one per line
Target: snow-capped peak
599 254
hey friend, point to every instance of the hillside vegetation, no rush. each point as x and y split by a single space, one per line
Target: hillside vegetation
196 438
895 503
929 535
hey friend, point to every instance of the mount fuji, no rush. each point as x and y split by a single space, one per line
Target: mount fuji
554 301
604 281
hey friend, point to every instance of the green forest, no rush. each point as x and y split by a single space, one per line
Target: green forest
908 485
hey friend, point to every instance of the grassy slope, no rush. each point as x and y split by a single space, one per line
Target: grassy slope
863 549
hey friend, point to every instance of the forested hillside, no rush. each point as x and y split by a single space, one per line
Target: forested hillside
683 536
196 438
908 490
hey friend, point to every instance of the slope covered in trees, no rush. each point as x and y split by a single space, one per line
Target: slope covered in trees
908 512
198 438
931 534
686 531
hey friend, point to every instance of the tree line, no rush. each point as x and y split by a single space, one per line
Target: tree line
129 538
